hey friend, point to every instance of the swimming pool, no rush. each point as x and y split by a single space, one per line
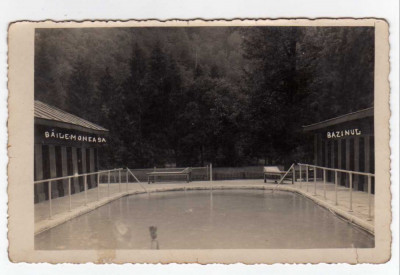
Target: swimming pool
218 219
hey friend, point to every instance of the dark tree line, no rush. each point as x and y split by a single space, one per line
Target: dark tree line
230 96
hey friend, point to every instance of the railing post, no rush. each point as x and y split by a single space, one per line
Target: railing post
211 175
369 198
300 177
69 193
336 186
315 181
351 192
307 178
119 178
50 210
85 186
293 174
108 184
127 179
98 186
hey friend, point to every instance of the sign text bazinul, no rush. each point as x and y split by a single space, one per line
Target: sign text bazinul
343 133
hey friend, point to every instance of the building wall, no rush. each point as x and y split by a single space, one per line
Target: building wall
348 152
60 159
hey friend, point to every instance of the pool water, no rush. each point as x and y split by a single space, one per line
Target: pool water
218 219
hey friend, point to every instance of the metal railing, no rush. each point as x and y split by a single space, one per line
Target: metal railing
128 170
112 176
336 171
291 168
203 173
85 176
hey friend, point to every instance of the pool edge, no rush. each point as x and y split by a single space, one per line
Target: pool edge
66 216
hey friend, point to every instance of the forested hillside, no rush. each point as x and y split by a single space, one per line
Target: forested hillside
230 96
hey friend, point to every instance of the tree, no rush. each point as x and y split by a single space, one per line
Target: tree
276 94
80 89
229 95
44 85
112 116
135 105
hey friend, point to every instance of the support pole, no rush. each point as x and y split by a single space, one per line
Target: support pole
369 199
336 187
324 183
300 177
119 179
85 186
127 180
307 178
211 174
69 193
108 184
351 192
50 209
315 181
98 186
293 174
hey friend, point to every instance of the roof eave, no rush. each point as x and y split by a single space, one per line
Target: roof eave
369 112
65 125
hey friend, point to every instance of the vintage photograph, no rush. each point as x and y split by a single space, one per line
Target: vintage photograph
205 137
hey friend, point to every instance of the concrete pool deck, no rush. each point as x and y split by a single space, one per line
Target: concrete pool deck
81 204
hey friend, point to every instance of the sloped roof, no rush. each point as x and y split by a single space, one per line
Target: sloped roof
48 112
369 112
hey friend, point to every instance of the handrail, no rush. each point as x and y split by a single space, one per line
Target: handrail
336 171
98 173
129 170
77 175
287 172
85 187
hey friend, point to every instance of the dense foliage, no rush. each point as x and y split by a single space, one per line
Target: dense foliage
230 96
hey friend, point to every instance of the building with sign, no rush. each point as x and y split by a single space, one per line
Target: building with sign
64 145
345 142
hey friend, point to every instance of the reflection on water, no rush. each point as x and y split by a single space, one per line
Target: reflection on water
153 234
206 220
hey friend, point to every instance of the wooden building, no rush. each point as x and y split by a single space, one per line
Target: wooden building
345 142
64 145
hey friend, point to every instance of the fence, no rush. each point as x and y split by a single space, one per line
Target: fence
203 173
197 174
233 173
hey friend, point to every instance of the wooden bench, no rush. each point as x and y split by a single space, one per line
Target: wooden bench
185 172
275 171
